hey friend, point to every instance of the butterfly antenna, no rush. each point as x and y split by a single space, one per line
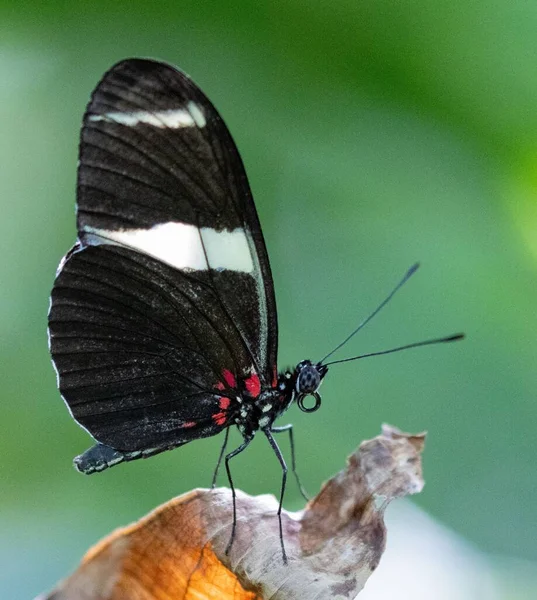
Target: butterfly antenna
449 338
407 276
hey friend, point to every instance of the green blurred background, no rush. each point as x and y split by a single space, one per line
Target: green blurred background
374 134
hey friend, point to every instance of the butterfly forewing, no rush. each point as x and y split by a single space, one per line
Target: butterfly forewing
169 286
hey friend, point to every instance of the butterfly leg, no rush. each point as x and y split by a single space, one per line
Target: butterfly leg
289 428
222 450
279 455
230 479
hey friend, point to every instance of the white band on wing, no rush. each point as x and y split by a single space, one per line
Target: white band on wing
174 119
180 245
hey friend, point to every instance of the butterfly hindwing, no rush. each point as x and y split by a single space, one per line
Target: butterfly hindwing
137 358
169 286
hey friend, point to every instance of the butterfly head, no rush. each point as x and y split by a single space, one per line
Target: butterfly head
308 378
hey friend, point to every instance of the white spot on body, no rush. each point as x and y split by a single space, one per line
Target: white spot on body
182 246
266 408
264 421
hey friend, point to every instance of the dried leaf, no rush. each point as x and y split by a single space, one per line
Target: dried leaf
178 551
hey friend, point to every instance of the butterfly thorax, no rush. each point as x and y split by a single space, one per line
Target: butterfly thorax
260 411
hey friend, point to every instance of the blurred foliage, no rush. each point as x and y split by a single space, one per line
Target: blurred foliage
374 134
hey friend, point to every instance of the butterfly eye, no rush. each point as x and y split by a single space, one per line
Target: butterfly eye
308 380
310 409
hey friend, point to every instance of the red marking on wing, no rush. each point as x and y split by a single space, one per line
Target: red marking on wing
219 386
230 378
189 424
253 385
219 418
275 377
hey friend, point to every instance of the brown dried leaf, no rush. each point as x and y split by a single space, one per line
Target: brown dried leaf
177 552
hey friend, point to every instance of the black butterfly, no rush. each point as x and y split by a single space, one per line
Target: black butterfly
163 324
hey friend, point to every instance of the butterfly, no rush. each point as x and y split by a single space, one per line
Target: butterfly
163 325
